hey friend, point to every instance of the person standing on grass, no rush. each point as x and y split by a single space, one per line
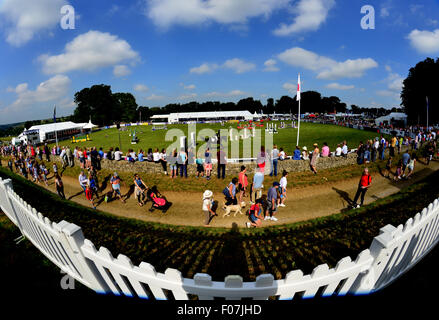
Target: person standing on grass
172 159
257 185
139 189
83 181
411 166
200 168
115 184
207 207
182 161
388 168
230 192
314 156
59 186
243 183
274 160
272 202
221 165
364 184
283 189
89 195
405 161
207 163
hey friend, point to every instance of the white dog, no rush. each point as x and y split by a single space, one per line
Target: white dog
233 207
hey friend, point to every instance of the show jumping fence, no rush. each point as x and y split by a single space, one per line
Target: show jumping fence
392 253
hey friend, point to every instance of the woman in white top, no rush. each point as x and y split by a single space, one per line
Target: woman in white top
283 188
156 156
338 151
282 154
305 155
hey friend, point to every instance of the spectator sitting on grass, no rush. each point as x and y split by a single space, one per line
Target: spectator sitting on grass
325 150
297 155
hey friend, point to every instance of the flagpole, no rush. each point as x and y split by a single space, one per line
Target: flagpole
56 134
298 119
427 114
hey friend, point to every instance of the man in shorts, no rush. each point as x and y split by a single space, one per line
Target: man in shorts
272 202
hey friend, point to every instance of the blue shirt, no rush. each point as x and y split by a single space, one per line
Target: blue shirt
296 154
405 158
272 194
140 156
258 179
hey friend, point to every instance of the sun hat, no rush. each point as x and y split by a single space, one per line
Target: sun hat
315 144
305 148
207 194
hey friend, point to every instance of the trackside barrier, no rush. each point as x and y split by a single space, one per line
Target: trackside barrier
392 253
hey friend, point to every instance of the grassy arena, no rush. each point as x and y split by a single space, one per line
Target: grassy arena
286 138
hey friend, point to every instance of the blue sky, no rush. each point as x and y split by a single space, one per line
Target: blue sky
174 51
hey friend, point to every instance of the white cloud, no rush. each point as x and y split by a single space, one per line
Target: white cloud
326 68
50 90
337 86
270 65
165 13
189 87
88 52
27 18
290 87
348 69
394 84
426 42
233 93
141 88
121 71
34 104
311 14
204 68
154 97
238 65
187 96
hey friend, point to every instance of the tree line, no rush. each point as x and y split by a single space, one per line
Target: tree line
103 107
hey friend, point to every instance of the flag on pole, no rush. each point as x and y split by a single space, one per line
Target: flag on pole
298 88
54 114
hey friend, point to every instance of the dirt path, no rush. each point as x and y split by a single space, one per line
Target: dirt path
302 203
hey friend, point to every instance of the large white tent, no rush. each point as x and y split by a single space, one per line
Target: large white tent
394 116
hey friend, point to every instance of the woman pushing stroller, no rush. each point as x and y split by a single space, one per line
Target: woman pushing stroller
139 188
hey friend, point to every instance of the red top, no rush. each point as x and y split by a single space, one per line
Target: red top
88 194
366 180
243 179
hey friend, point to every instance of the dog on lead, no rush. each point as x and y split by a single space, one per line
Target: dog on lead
233 208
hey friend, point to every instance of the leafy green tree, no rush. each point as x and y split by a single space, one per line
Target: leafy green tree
422 82
96 102
125 108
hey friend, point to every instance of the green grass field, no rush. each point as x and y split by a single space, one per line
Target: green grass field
286 138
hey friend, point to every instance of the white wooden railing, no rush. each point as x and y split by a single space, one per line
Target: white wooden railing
392 253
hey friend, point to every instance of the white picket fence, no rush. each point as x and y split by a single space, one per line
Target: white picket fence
392 253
